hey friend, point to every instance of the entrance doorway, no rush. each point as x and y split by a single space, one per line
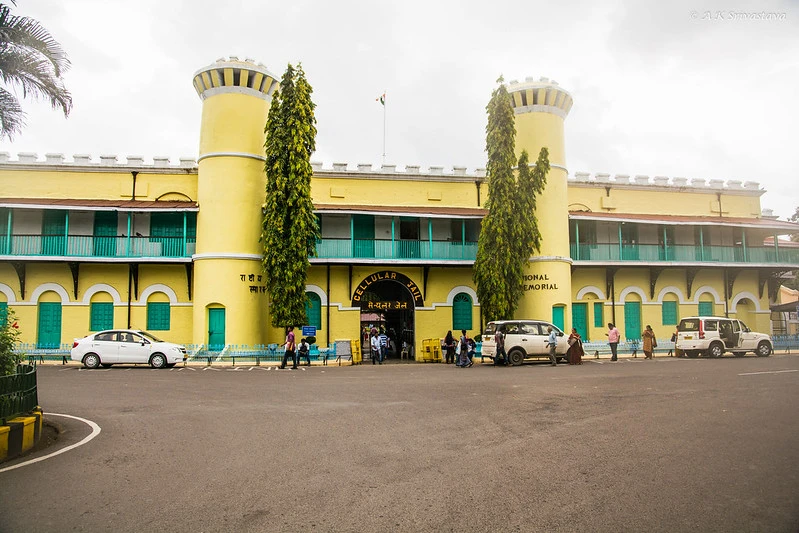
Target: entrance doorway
387 301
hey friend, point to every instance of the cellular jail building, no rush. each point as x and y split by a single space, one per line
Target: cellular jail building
173 247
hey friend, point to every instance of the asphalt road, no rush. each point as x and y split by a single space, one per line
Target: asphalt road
665 445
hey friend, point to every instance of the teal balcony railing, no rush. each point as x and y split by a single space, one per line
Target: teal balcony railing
399 249
91 246
684 253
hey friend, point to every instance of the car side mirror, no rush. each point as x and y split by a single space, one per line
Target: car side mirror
747 330
143 343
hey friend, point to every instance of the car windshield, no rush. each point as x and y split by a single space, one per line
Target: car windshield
688 324
150 336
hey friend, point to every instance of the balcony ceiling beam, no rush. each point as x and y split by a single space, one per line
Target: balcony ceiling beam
75 269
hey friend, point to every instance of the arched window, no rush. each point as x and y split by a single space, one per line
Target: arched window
462 312
313 310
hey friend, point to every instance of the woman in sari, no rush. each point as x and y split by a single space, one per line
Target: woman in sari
575 352
650 343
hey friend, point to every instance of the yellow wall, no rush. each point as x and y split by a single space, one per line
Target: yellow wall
668 201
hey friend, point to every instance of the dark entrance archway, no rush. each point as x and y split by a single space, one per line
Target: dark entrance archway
387 301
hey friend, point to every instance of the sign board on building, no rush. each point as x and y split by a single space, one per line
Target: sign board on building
309 331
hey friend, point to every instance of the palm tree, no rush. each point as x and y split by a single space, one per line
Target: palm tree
30 60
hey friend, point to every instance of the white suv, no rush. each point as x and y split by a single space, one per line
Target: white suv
523 339
713 336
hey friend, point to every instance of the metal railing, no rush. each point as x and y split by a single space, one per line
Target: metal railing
18 393
94 246
399 249
683 253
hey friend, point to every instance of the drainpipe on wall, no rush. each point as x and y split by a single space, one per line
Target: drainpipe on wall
477 184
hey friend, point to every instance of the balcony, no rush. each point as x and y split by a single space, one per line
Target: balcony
652 253
88 246
399 250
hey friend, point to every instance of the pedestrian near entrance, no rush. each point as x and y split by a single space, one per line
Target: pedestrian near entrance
291 349
552 343
375 343
613 340
575 352
650 342
449 347
383 338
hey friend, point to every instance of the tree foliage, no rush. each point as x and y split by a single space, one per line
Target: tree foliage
795 218
289 229
509 234
32 62
9 336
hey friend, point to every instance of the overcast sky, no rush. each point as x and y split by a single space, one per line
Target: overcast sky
694 89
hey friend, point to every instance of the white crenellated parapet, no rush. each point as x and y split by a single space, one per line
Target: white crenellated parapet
640 180
86 160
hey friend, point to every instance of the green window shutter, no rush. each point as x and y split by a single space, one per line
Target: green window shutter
313 310
669 313
705 308
158 316
599 317
461 312
3 314
167 228
102 316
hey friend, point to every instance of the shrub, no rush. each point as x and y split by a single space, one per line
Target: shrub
9 336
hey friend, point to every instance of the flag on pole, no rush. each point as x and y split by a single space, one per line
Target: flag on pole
382 99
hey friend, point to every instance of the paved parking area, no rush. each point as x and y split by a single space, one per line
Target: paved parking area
663 445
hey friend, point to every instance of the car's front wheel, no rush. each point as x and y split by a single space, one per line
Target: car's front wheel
763 349
158 360
516 357
91 360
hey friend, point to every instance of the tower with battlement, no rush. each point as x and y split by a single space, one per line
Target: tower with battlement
541 107
230 299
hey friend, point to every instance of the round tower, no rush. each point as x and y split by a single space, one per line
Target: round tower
230 300
540 108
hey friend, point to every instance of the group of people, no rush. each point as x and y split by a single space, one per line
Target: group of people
463 349
296 353
378 344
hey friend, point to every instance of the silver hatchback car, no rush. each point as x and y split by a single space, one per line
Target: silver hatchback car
126 346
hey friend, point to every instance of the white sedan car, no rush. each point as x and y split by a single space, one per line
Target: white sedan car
126 346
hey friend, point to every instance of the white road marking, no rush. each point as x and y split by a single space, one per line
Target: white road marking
769 372
95 431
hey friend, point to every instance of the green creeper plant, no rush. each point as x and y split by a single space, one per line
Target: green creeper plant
289 229
494 264
509 233
32 62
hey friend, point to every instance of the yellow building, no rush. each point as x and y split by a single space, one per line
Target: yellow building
88 244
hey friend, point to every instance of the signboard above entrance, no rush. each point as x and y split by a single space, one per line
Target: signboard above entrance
387 275
384 306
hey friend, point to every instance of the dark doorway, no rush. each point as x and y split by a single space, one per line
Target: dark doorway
388 306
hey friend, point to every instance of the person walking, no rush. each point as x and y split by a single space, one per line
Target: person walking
575 352
613 340
499 342
375 343
290 349
463 352
449 347
552 343
650 342
383 338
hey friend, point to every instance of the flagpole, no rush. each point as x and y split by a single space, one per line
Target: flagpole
384 127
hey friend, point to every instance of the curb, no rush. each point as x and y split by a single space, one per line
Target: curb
20 434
